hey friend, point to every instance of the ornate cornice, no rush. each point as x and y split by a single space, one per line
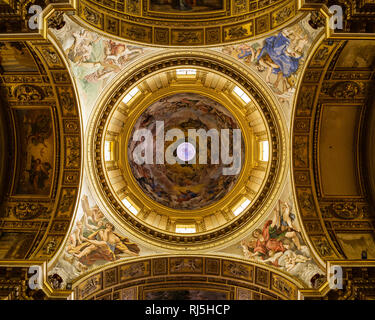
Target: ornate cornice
237 21
224 274
357 19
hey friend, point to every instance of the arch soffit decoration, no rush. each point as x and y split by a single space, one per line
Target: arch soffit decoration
236 21
39 222
328 88
238 278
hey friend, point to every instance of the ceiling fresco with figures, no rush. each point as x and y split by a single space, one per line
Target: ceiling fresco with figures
110 190
179 185
277 61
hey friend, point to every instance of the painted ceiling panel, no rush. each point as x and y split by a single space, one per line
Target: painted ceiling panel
338 146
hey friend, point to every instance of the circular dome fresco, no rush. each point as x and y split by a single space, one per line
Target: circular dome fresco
185 173
183 156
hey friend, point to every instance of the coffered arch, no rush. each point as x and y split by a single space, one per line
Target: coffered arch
184 276
330 167
164 23
44 148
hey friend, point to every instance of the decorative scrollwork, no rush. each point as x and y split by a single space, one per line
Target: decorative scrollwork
347 210
28 93
30 210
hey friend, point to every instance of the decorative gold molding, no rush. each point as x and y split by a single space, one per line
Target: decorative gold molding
20 289
326 217
45 218
226 97
321 7
47 14
198 29
137 273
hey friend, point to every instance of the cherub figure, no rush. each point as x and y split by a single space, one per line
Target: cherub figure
292 259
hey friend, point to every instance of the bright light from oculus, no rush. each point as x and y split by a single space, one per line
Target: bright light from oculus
242 207
130 95
107 151
264 154
241 94
129 206
186 72
186 151
185 229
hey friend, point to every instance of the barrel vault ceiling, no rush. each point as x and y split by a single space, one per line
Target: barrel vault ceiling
63 89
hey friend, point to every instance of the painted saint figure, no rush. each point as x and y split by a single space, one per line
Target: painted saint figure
279 55
277 235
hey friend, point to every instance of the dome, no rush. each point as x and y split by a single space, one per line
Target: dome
186 176
185 152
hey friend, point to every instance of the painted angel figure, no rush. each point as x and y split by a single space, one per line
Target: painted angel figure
116 55
79 46
275 238
104 244
287 218
280 55
292 259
